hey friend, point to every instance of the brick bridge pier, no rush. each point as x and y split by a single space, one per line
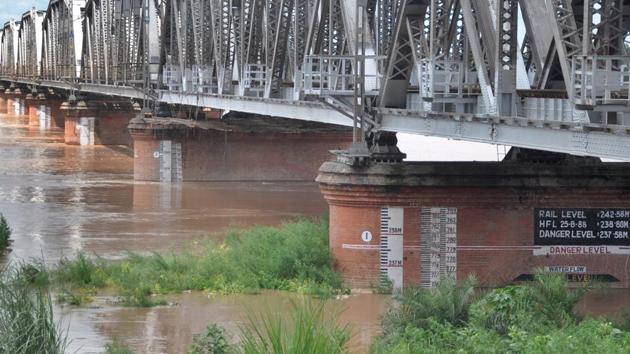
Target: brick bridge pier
412 223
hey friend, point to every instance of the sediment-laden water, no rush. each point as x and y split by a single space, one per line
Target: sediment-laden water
61 200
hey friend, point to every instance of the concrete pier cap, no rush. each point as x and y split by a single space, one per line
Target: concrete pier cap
416 222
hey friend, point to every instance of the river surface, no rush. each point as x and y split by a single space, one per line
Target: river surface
61 200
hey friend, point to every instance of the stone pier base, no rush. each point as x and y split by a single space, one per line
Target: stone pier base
97 122
232 149
413 223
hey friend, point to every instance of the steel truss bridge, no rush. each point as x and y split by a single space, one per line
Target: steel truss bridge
544 74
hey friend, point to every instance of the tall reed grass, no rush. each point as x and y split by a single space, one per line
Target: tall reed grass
5 233
27 322
310 328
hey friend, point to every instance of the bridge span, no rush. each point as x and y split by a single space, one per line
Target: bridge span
537 74
540 75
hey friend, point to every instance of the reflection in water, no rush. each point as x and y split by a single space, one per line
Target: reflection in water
61 200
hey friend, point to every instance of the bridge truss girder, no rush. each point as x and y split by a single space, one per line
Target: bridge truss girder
553 61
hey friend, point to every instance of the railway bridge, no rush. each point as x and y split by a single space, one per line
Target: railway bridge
247 89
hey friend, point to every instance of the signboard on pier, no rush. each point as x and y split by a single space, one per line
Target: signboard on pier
581 231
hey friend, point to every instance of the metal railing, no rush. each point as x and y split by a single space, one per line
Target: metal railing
198 79
445 79
597 80
255 78
334 75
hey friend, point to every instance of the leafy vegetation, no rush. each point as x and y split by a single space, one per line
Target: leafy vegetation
309 330
293 257
117 347
5 233
27 324
415 305
213 341
533 318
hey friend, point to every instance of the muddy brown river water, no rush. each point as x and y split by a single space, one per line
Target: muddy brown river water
61 200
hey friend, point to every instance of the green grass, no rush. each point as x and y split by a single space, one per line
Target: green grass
27 324
294 257
533 318
5 233
308 329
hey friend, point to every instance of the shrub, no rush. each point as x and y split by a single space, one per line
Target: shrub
5 233
589 336
310 330
546 303
439 337
623 322
415 306
213 341
525 319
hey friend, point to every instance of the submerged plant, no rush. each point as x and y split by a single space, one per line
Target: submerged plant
5 233
117 347
213 341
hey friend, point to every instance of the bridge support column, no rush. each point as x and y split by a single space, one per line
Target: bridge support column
232 149
3 101
412 223
36 108
97 122
54 113
16 104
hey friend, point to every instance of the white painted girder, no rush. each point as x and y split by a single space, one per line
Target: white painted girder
571 139
303 110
